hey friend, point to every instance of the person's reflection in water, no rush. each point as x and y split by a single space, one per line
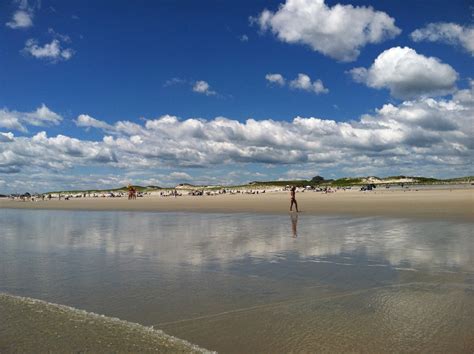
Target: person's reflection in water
294 224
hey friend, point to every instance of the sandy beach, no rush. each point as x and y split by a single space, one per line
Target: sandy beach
445 203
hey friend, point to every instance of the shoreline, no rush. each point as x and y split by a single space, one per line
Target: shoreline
431 204
63 328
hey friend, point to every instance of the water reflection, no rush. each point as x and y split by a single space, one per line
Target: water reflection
230 282
294 224
209 239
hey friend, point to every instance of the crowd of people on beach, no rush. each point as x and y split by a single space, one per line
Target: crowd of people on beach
132 193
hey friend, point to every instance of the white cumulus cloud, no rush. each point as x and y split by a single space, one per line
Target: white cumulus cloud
85 120
41 152
6 137
407 74
19 121
204 88
303 82
419 136
417 132
21 19
53 51
446 32
338 32
275 79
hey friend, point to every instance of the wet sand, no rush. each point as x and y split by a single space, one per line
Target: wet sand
450 204
55 328
236 282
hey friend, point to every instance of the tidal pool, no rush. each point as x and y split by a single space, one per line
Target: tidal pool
252 283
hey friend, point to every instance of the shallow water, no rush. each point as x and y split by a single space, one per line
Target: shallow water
35 326
253 283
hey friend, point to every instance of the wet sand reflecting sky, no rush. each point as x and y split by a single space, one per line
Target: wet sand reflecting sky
253 283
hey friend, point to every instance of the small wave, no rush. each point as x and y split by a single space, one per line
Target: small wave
59 328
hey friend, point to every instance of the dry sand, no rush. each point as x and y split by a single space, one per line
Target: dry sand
451 204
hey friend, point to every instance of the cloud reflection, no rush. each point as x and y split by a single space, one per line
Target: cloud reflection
223 239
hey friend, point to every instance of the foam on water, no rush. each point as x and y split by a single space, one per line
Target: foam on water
32 325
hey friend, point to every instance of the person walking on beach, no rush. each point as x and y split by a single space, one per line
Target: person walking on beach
293 199
132 192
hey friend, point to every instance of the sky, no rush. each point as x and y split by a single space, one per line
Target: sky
98 94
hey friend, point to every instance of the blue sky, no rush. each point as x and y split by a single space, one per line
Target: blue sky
103 93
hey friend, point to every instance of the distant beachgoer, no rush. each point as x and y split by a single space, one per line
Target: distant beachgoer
132 192
293 199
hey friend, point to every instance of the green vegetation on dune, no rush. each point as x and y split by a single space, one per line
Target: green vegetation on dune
355 181
427 180
460 179
344 182
112 190
315 182
298 183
